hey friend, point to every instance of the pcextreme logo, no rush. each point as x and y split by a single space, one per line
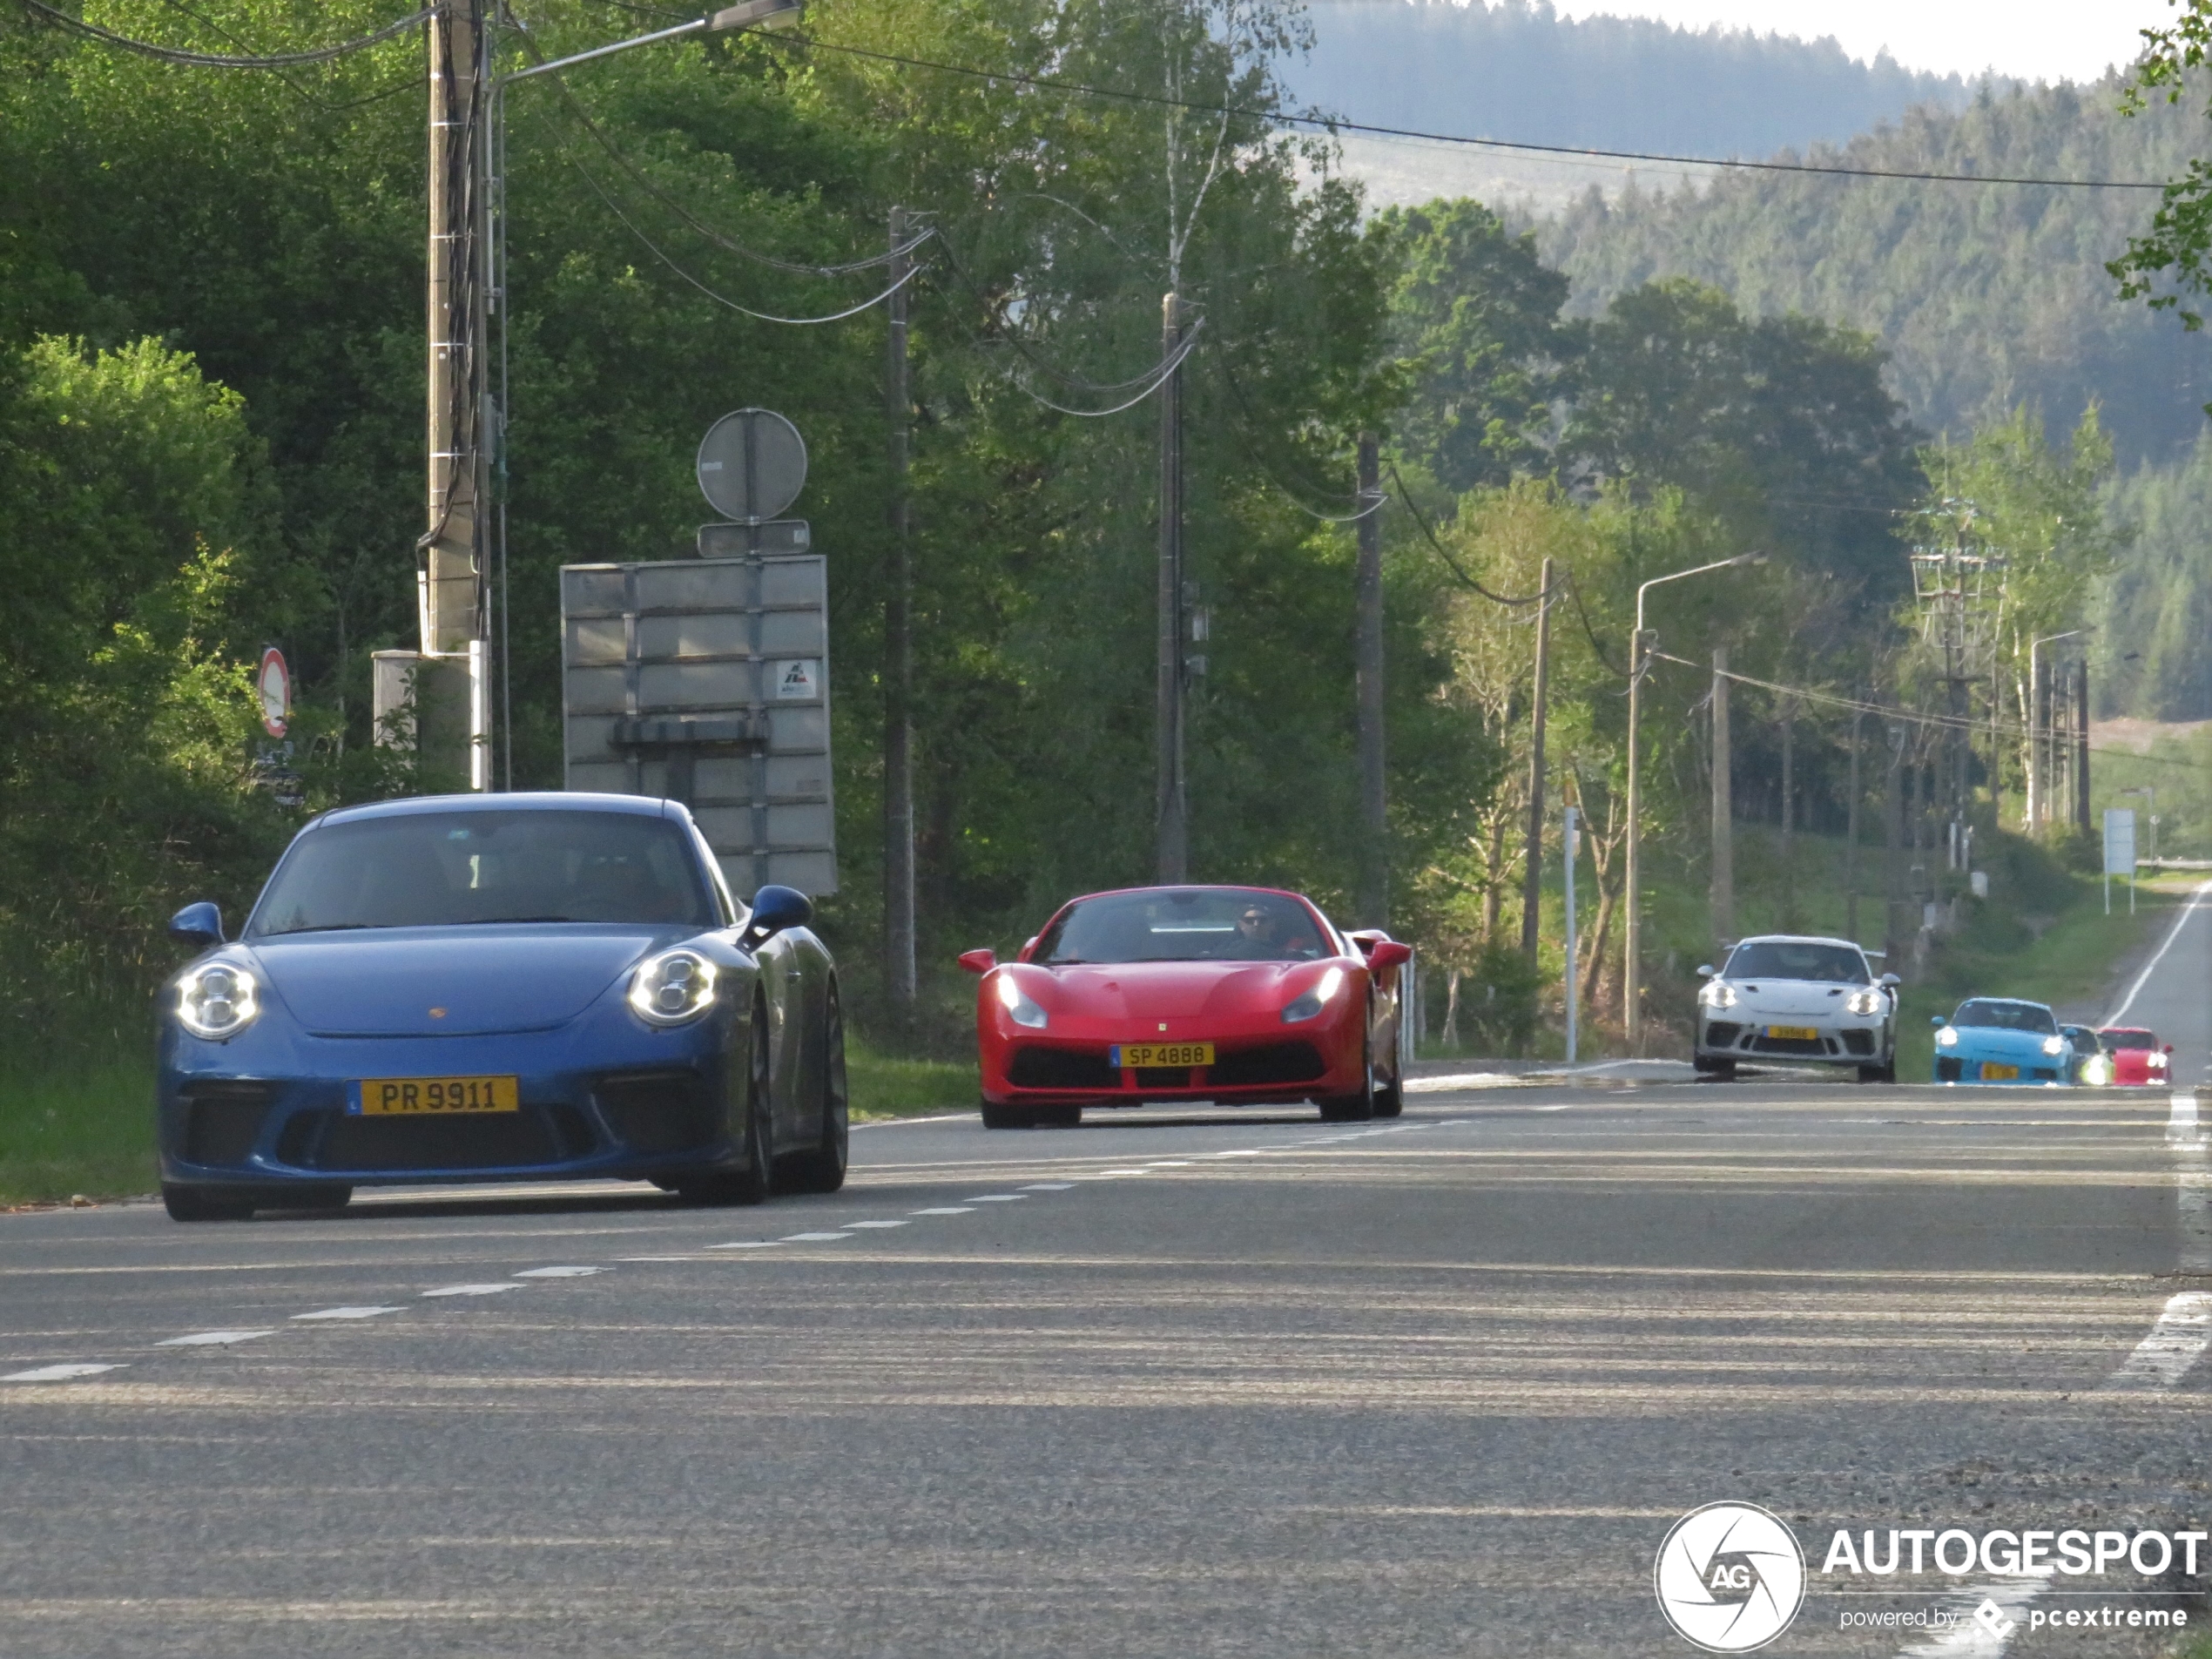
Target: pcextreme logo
1730 1577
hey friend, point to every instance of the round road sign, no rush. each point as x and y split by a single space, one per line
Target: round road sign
274 685
752 464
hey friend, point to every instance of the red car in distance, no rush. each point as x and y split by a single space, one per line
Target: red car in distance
2135 1054
1237 995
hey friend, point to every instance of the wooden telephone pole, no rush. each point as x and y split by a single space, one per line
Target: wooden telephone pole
1172 800
1374 803
1532 874
897 627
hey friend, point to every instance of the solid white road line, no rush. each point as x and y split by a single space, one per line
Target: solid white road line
2165 945
559 1273
57 1373
494 1288
345 1313
2175 1343
212 1339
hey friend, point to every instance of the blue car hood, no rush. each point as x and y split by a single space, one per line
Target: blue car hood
449 982
1999 1041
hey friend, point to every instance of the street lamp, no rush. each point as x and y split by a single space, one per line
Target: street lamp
2038 735
1632 975
756 14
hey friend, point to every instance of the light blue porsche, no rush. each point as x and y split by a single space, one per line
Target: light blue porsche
2001 1039
499 988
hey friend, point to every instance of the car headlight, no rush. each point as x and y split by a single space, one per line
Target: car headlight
673 988
2054 1045
1717 994
1310 1005
2158 1059
1018 1006
1948 1038
2097 1072
1864 1004
217 1000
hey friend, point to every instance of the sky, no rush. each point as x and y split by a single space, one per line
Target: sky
2047 40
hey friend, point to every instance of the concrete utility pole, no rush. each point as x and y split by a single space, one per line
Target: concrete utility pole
1850 834
1893 842
1172 800
1532 876
898 972
451 701
1723 902
1374 804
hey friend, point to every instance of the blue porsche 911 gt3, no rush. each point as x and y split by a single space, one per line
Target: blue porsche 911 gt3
2001 1040
496 987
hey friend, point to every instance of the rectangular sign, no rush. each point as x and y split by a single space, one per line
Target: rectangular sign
706 681
432 1097
2120 841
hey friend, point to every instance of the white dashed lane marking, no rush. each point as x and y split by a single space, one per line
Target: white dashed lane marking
496 1288
345 1313
995 1197
748 1244
57 1373
943 1210
813 1238
2175 1343
559 1273
875 1223
212 1339
1049 1186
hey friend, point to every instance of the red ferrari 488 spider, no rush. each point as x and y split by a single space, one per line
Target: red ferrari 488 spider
1238 995
2136 1058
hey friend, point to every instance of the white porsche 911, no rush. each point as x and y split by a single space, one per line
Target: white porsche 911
1783 996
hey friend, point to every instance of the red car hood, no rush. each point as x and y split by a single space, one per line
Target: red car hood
1160 990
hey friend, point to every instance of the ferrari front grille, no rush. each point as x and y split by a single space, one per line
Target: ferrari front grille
1278 1063
1040 1068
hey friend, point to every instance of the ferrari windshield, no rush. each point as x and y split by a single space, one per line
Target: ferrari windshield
2010 1016
2128 1037
446 869
1798 959
1185 925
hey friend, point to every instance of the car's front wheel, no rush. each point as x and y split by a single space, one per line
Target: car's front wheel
1358 1108
1721 1071
750 1184
821 1168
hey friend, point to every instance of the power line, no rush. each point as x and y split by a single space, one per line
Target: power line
1334 124
1166 367
719 298
217 60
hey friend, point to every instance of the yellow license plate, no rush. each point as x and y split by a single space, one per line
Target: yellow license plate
434 1097
1991 1074
1795 1032
1132 1055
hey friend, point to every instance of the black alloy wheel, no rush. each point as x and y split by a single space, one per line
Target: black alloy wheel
821 1167
1390 1097
751 1184
203 1204
1009 1116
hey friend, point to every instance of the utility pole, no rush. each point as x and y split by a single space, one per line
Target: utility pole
1893 839
1851 835
1789 811
2081 746
1724 808
898 972
1570 843
1374 825
1532 879
450 690
1172 801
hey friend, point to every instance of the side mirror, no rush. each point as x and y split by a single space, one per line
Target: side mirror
1892 981
1937 1021
197 925
775 908
1704 970
979 962
1388 953
2169 1047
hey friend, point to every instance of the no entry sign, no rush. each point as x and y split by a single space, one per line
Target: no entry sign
274 685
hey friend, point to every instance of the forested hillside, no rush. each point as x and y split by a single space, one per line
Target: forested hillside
1984 297
1519 70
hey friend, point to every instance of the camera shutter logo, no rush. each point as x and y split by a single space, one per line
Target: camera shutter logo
1730 1577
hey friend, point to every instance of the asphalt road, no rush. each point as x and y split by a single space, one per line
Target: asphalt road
1211 1384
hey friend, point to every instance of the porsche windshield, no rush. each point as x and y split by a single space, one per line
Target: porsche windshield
1185 925
2009 1017
1792 959
445 869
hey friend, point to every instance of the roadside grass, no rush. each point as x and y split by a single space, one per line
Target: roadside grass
67 1129
885 1085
